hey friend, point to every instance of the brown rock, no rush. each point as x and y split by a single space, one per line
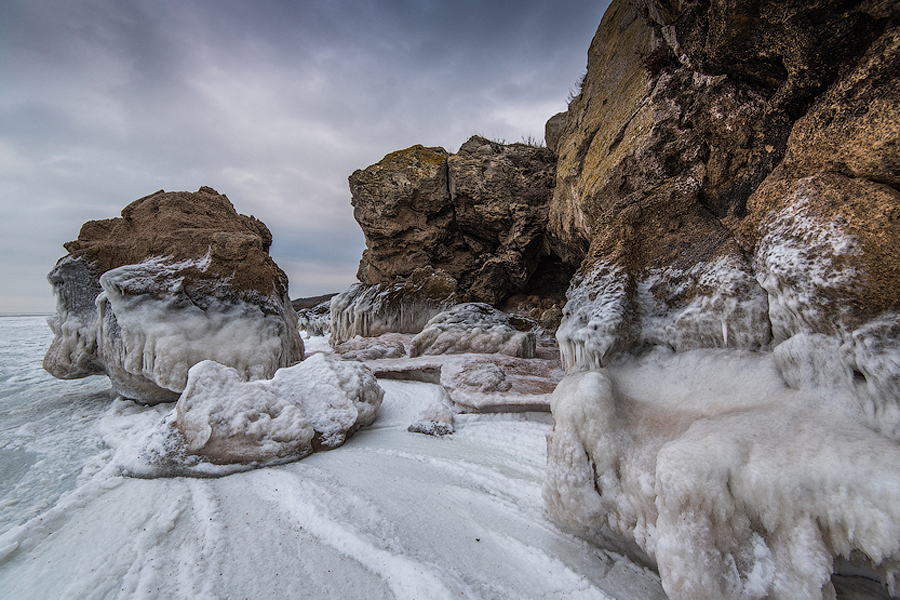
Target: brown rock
478 215
181 277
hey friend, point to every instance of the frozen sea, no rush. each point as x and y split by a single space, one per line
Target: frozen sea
391 514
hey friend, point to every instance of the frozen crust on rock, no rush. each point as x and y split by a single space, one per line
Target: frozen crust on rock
179 278
314 405
398 307
474 327
736 485
223 424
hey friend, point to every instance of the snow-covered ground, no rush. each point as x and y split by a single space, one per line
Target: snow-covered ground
390 514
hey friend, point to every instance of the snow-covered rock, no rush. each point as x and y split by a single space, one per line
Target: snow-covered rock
315 320
614 310
399 307
737 486
178 279
473 327
222 423
316 404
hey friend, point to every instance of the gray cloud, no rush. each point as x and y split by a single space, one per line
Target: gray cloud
271 103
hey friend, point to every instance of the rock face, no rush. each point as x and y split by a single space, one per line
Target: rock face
728 179
478 215
179 278
709 145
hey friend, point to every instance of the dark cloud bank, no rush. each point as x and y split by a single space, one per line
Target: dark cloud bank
271 103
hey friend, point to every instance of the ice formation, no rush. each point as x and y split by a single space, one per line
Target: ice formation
738 486
403 307
611 310
144 332
315 320
221 419
805 266
473 327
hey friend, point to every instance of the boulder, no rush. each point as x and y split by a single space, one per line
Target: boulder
478 215
314 405
179 278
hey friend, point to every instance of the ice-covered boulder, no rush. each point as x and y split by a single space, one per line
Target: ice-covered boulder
180 278
396 307
314 314
314 405
736 485
474 327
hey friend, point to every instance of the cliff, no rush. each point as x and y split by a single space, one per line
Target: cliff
727 185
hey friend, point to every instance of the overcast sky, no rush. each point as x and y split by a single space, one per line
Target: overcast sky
272 103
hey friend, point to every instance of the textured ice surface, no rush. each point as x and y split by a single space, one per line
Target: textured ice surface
388 515
222 420
611 310
144 332
738 486
372 310
473 327
799 264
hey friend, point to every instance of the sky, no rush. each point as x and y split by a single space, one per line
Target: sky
272 103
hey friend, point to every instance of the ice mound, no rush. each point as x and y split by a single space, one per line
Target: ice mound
737 486
221 420
399 307
473 327
315 320
386 345
179 278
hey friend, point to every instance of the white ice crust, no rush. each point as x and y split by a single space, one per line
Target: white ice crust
372 310
473 327
738 486
222 420
145 333
611 311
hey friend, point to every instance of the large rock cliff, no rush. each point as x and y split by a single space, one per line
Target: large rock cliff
728 178
179 278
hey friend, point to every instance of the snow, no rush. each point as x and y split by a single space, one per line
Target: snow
390 514
473 327
736 485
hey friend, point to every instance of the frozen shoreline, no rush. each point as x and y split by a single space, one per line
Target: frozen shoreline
389 514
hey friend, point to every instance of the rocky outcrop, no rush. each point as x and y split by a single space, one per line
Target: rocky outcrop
478 215
728 179
179 278
704 139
